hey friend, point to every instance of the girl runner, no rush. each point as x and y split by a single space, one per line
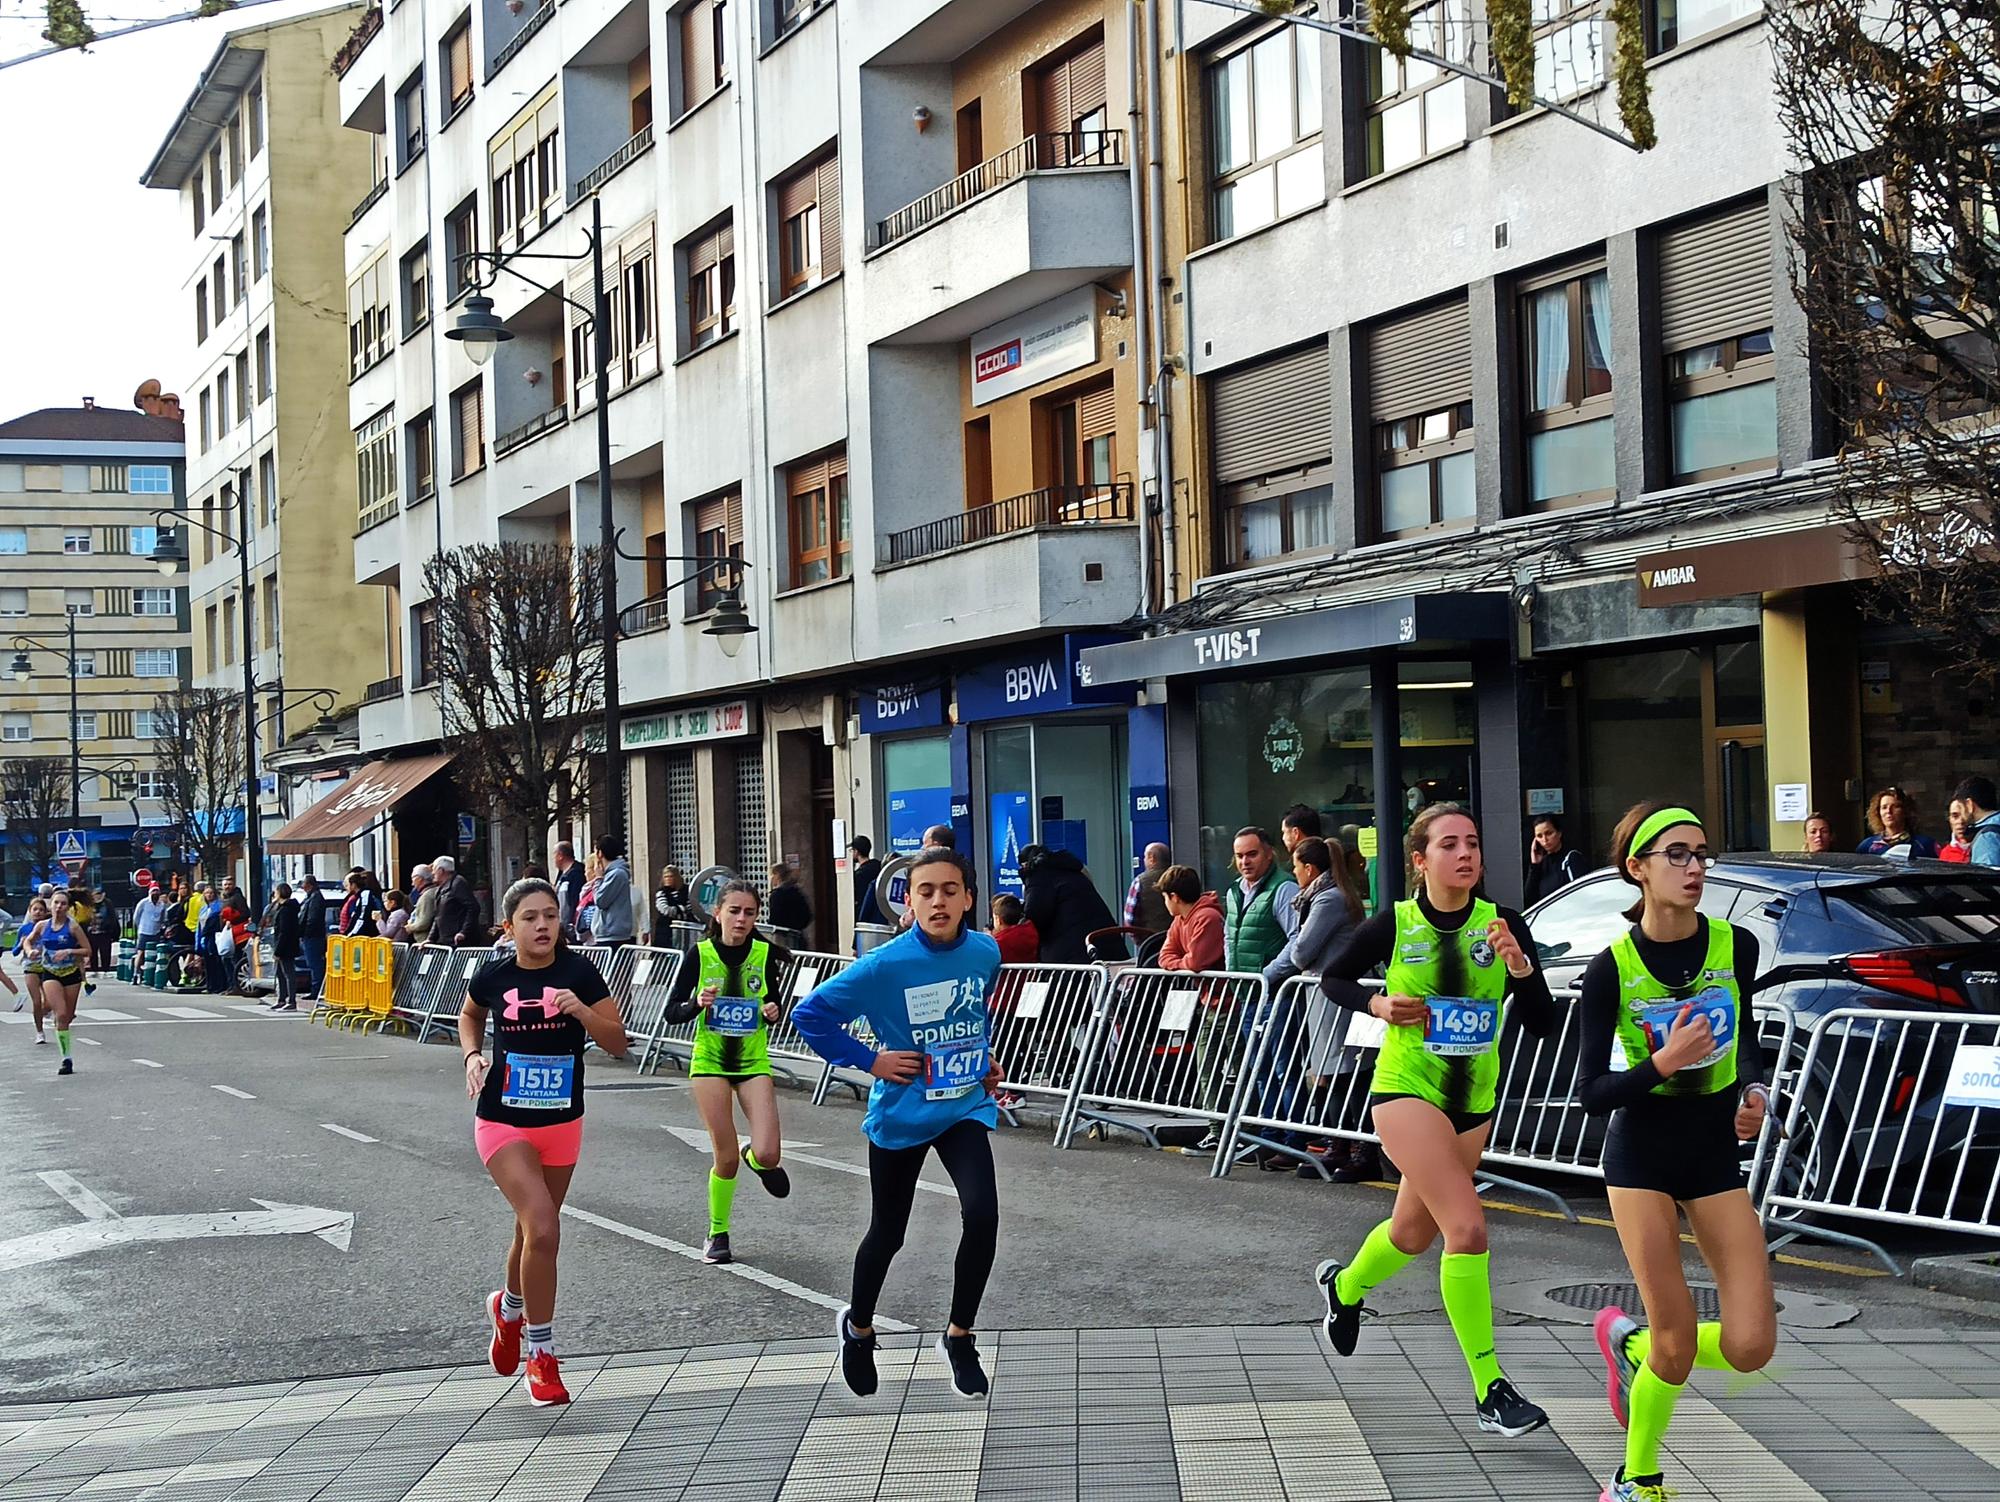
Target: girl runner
1453 958
1685 1087
31 968
58 948
925 995
545 1003
732 1060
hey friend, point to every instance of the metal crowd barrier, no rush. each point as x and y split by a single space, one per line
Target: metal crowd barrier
1894 1118
791 1056
1170 1047
649 986
1043 1018
417 983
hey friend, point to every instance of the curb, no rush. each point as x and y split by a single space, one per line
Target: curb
1975 1275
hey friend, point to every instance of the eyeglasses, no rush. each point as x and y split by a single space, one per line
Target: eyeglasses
1678 856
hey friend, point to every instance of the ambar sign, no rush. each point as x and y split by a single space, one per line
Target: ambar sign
679 727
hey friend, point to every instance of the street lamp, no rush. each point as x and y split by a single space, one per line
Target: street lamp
22 669
170 553
481 331
325 698
728 622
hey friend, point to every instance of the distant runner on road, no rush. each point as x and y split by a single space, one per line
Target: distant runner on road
57 949
924 994
545 1003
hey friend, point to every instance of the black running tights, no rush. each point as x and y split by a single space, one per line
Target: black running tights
967 1155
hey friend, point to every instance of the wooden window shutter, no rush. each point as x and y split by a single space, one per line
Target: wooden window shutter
1420 362
1086 82
1274 415
1097 413
470 429
732 524
460 49
798 193
697 54
725 240
1715 278
712 516
829 215
704 252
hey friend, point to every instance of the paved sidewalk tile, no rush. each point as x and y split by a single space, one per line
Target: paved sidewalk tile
1255 1414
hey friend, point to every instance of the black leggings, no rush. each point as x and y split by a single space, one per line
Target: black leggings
967 1155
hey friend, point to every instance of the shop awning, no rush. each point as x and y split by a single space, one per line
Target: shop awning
368 796
1751 566
1406 621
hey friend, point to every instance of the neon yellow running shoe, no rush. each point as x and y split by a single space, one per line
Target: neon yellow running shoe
1636 1489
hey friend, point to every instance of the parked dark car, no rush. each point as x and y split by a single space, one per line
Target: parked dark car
1836 931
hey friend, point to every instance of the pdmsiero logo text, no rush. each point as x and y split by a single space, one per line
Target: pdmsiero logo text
997 361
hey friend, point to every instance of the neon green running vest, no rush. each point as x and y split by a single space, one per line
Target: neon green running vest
1453 1061
1647 1007
718 1052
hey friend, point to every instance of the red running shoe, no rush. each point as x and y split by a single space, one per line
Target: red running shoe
505 1351
1613 1327
544 1380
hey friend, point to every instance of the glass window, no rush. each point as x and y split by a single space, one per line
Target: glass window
151 479
79 602
86 664
13 539
152 602
1569 48
1265 149
1642 734
1269 519
1424 471
1724 407
1678 21
1566 334
1415 108
16 727
155 662
76 542
1301 738
13 601
916 778
86 725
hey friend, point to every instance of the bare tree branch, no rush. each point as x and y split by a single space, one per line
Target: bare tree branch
200 751
1892 108
520 666
34 796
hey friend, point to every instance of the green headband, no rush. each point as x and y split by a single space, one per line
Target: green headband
1657 825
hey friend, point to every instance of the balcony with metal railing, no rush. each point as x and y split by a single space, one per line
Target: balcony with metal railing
1052 506
1050 214
527 432
368 201
653 614
383 688
640 143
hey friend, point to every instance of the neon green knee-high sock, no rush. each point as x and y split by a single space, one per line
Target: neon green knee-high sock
721 1195
1707 1346
62 1040
1378 1260
1465 1280
1649 1408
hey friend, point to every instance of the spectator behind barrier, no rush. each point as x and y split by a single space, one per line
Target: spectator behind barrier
1019 943
1976 797
1194 937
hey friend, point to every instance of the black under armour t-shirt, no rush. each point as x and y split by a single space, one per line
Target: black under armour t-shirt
537 1073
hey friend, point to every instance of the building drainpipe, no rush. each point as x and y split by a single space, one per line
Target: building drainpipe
1160 380
1141 291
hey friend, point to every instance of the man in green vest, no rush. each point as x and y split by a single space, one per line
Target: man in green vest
1259 911
1259 915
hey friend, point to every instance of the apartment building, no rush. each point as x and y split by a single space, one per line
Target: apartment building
1500 473
266 179
79 487
874 333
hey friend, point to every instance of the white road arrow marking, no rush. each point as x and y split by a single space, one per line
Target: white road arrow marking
698 1139
105 1227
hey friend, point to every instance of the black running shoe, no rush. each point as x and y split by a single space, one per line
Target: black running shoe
716 1249
1343 1321
968 1379
857 1357
1505 1411
774 1178
68 1067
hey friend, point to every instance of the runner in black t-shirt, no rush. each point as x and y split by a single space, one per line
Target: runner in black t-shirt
545 1003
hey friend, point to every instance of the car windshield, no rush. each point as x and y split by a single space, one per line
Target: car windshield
1584 917
1956 910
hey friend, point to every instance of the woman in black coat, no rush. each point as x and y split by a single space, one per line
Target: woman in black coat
1065 906
281 922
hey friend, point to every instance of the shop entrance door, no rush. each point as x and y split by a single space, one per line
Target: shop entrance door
1063 785
1744 795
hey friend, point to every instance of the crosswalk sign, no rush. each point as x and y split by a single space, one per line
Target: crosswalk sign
69 845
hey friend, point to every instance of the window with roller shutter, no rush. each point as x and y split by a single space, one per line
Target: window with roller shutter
468 421
809 224
455 55
821 522
702 35
715 528
708 262
1271 423
1071 106
1715 329
1420 403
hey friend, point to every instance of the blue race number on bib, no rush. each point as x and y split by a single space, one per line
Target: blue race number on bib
1714 1003
733 1016
539 1082
1460 1025
954 1068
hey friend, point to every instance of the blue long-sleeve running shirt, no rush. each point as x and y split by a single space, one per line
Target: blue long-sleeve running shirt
919 996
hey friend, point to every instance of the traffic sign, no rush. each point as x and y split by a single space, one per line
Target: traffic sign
69 845
143 877
74 864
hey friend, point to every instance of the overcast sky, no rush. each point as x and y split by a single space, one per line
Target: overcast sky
90 260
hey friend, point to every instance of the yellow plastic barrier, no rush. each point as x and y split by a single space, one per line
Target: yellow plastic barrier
381 972
333 993
354 1005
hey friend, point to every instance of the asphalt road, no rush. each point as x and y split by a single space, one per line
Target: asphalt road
209 1116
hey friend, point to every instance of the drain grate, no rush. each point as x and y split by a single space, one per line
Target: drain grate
1707 1302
